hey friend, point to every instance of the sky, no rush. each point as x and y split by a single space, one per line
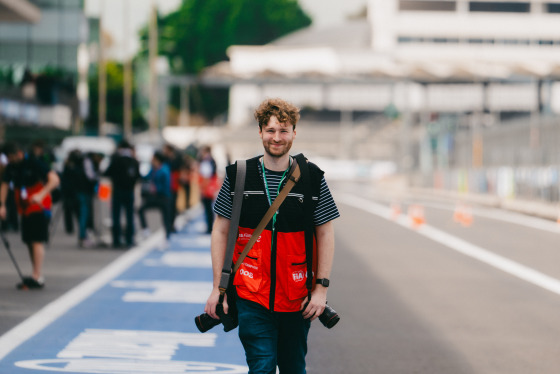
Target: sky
323 13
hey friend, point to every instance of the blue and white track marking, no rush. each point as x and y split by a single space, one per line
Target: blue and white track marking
135 316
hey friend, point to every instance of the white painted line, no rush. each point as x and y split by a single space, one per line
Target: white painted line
499 262
496 214
510 217
38 321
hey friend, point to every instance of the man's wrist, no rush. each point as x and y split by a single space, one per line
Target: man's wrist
325 282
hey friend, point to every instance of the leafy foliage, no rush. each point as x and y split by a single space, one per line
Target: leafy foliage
198 34
115 99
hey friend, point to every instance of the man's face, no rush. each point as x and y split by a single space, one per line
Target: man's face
277 137
16 157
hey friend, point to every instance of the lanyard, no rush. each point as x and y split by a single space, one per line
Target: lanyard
277 192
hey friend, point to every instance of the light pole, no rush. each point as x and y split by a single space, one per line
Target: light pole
102 83
127 78
153 52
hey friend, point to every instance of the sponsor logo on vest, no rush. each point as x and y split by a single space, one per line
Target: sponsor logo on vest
246 273
251 266
246 236
299 276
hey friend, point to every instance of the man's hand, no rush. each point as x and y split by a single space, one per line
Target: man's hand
213 301
3 212
316 306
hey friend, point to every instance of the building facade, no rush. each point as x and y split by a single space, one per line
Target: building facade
432 55
53 41
45 56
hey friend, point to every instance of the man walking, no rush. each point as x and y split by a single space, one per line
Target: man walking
33 182
158 194
124 171
208 183
273 308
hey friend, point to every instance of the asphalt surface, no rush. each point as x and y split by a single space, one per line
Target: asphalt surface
481 296
410 304
66 265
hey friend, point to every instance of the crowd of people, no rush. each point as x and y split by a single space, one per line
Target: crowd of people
30 186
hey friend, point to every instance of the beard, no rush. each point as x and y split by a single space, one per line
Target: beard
277 150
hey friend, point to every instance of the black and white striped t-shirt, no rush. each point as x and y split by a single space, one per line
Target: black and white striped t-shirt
326 208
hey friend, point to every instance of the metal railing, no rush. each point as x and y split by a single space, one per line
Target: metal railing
517 159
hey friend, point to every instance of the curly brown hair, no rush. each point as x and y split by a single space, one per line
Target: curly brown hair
284 111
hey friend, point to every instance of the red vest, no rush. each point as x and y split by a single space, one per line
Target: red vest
275 271
23 202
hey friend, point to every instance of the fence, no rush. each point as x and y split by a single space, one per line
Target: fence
519 159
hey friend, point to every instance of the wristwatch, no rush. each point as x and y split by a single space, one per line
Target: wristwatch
323 282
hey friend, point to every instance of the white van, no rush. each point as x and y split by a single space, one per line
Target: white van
86 144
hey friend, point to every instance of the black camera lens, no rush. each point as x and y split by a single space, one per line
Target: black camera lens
204 322
329 318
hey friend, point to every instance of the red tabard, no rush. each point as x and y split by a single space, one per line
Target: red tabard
253 279
24 205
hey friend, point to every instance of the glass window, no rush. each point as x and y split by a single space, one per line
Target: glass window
14 32
69 57
70 26
494 6
72 4
45 54
11 53
46 4
553 8
47 29
419 5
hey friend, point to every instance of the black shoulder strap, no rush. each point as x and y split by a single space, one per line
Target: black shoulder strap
308 212
234 223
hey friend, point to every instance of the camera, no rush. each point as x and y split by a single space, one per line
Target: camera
329 318
204 322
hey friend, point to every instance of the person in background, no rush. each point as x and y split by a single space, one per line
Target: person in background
157 193
11 222
124 172
85 183
174 161
33 182
70 204
39 151
208 182
185 178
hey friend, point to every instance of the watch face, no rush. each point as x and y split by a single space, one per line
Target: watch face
323 282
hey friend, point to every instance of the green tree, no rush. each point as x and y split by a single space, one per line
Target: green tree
115 99
198 34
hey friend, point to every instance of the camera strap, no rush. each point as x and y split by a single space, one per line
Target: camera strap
234 225
292 178
308 213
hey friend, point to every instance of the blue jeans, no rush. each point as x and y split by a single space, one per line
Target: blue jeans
84 199
161 202
271 339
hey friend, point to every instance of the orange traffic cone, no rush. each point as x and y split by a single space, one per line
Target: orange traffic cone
104 192
416 215
458 213
467 217
395 211
463 214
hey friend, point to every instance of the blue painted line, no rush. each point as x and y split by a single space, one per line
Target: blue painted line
139 321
